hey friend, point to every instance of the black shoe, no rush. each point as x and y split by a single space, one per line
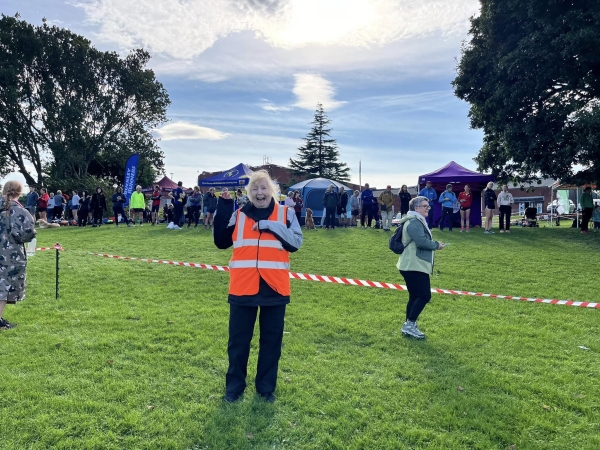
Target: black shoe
94 226
268 396
230 397
6 325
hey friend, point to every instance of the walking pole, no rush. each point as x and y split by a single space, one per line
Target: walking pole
58 248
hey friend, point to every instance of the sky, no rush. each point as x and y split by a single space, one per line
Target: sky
245 76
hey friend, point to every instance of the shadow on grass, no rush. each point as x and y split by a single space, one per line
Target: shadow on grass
239 425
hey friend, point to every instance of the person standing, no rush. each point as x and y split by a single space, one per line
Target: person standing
342 208
137 205
586 202
17 226
32 200
366 206
405 199
75 205
447 199
50 209
330 201
354 208
156 196
505 202
84 209
118 203
489 201
416 263
289 200
263 233
596 218
210 202
386 202
58 205
98 206
177 196
298 205
429 193
195 199
465 199
42 204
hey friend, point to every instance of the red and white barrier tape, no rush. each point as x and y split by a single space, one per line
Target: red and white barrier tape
365 283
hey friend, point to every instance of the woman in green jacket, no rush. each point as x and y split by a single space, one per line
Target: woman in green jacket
137 205
416 263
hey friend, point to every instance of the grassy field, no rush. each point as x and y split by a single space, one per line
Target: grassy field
133 355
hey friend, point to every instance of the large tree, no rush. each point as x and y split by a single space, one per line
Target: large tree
66 107
531 74
319 156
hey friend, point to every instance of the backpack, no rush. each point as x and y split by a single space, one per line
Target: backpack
396 244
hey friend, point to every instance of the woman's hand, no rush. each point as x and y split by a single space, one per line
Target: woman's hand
441 245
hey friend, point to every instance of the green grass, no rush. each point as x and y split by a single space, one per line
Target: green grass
133 355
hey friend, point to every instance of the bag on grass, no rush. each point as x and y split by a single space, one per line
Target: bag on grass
396 244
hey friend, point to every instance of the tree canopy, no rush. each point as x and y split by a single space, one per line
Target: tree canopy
531 74
319 156
69 111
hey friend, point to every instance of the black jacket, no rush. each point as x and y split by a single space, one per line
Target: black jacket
489 197
223 238
98 201
405 198
118 203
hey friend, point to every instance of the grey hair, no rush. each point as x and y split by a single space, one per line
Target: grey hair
416 202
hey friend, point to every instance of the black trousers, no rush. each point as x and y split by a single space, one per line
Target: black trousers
97 216
404 208
585 219
419 292
193 214
178 214
330 217
505 211
241 328
366 211
82 217
120 210
58 212
446 212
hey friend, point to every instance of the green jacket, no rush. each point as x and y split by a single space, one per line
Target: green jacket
419 246
586 201
137 201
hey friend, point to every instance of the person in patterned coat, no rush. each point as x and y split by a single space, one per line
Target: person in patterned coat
17 227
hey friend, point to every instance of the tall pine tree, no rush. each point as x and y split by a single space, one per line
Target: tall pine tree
319 156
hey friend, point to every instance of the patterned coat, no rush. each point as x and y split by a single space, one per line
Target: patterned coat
15 231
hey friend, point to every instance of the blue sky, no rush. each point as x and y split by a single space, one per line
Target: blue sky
244 77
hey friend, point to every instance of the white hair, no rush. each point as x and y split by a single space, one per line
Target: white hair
259 176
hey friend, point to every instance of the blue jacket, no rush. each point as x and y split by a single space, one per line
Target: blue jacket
429 193
447 203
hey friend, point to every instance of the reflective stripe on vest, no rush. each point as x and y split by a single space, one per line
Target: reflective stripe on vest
258 255
251 263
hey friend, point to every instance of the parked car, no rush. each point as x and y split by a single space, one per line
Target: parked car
396 220
551 208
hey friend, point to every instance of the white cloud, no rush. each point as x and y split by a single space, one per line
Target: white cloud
185 29
311 89
185 130
274 108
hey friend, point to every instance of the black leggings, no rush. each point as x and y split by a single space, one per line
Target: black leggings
419 292
118 211
82 217
193 214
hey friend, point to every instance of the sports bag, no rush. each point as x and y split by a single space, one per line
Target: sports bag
396 244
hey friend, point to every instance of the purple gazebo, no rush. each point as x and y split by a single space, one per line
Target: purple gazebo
458 176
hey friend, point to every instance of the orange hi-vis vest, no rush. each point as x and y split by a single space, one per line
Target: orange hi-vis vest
258 255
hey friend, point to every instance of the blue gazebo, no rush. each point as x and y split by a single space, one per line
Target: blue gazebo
234 177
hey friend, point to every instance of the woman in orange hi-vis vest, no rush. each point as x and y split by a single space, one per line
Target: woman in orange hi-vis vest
263 233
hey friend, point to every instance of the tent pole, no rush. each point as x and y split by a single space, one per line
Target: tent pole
551 203
577 208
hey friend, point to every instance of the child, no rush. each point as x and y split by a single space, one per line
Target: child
596 218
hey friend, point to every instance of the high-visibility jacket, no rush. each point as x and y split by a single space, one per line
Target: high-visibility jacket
258 255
